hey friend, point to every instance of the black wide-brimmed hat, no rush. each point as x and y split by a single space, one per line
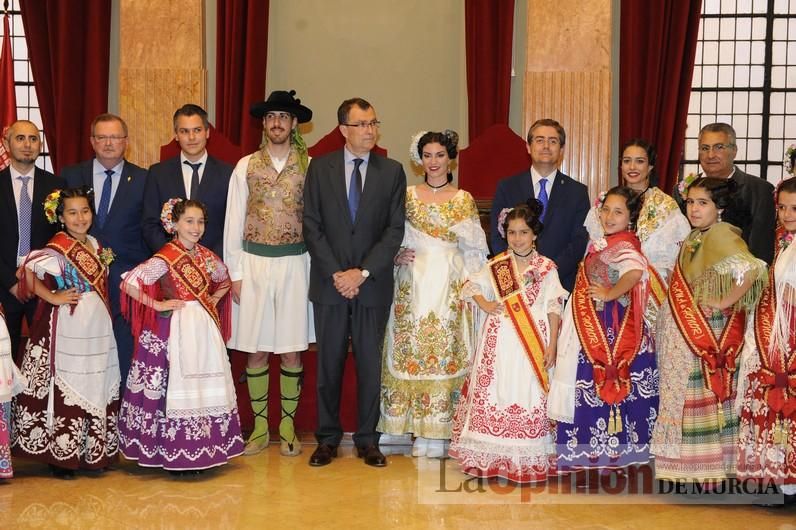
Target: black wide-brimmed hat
282 100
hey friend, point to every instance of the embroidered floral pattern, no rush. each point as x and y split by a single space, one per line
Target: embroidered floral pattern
275 203
435 219
426 357
654 212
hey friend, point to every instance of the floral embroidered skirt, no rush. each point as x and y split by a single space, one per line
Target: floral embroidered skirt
591 441
53 423
155 438
6 469
767 442
501 427
426 358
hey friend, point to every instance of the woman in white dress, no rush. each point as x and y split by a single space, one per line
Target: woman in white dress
428 342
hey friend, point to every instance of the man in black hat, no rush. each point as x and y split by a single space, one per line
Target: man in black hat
269 265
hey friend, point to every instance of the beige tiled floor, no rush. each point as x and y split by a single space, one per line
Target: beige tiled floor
272 492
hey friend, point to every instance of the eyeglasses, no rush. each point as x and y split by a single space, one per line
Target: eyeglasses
104 138
719 148
281 116
364 124
541 140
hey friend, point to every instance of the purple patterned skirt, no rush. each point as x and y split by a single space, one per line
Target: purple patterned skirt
155 438
589 442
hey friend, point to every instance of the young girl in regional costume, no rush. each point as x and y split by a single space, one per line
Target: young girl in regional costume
768 415
713 288
501 427
605 388
11 383
179 410
66 415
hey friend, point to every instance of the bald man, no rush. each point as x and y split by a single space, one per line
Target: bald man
23 227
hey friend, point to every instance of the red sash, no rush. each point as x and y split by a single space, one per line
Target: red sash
506 280
777 373
611 365
195 279
85 261
717 358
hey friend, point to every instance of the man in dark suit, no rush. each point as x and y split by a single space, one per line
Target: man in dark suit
353 227
118 200
23 226
193 174
566 201
753 209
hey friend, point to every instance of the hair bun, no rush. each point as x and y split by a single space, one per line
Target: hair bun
535 206
452 136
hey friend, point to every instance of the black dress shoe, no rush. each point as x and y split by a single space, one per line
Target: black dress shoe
372 455
323 455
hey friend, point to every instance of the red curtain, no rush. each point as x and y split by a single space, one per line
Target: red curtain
657 45
242 46
489 28
69 50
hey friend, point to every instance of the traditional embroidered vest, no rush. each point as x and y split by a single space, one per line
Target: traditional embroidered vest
275 205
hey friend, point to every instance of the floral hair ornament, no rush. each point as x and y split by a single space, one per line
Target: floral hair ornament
51 205
414 156
598 202
167 215
682 187
502 220
789 152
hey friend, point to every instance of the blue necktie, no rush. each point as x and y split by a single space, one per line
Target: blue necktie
105 198
355 189
194 179
25 210
543 197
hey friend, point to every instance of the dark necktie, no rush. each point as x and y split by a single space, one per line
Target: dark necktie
355 189
194 179
24 217
543 197
105 198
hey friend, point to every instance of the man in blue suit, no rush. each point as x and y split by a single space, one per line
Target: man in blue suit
194 175
566 201
118 199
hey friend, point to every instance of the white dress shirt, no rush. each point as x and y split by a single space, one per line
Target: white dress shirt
187 171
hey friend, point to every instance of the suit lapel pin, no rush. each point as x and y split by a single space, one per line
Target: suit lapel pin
129 178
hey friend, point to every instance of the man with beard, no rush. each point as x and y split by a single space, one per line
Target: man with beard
269 265
23 226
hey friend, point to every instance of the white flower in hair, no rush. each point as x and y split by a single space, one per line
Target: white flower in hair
414 156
